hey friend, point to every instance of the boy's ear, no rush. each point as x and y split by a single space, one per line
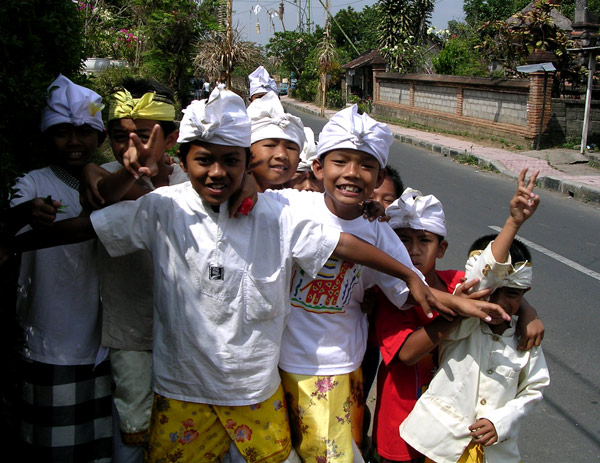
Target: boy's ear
380 177
442 247
317 168
171 139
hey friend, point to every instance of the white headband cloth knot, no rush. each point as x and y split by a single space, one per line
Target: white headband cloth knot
269 120
69 103
349 129
418 212
261 82
505 275
222 120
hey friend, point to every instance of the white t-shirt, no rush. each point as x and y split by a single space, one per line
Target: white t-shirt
221 288
58 300
126 301
326 333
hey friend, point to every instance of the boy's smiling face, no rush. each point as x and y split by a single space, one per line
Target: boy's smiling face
508 298
277 161
423 248
386 194
349 177
216 171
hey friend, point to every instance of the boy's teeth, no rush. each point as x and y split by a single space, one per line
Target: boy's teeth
351 189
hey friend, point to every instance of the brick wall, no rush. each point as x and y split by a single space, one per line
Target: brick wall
509 109
566 121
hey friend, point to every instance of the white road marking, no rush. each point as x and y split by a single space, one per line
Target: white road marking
552 254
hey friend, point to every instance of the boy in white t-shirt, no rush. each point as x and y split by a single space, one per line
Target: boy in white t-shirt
221 289
473 407
63 419
325 337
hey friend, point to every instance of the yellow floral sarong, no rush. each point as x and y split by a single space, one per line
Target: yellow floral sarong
326 415
192 432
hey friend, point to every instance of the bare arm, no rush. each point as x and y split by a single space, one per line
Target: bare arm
423 341
356 250
67 231
522 206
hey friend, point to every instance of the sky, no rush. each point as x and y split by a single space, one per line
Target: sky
246 19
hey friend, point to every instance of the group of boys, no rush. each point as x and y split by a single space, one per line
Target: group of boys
257 321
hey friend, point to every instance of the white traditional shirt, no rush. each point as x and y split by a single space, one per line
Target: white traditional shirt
126 301
326 333
58 301
481 375
221 288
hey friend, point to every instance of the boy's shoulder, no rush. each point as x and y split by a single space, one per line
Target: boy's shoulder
452 278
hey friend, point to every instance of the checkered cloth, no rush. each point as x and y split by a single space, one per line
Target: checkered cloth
66 412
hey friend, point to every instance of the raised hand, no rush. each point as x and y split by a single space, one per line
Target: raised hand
524 203
142 159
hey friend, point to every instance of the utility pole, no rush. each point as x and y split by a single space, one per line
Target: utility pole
308 16
229 44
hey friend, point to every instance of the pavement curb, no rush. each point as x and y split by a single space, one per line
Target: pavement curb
576 190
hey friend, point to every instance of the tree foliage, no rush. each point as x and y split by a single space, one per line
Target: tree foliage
402 32
38 40
359 26
481 11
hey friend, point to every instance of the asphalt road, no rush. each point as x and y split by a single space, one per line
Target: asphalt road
564 238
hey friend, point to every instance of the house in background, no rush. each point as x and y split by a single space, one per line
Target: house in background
359 74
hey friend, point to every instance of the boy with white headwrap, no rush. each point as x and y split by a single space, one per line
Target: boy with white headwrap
63 419
325 338
277 139
261 83
473 407
304 179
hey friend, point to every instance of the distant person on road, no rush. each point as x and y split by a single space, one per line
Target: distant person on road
472 410
261 83
206 89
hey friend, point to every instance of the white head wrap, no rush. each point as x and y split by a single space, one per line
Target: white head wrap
261 81
222 120
413 210
269 120
309 151
348 129
72 104
519 274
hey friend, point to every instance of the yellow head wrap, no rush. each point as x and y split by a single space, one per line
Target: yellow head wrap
149 106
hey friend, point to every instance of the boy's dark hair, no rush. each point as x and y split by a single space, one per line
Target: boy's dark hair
394 176
518 251
138 87
184 149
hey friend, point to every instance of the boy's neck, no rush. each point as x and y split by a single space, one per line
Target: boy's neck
345 212
162 177
434 281
501 328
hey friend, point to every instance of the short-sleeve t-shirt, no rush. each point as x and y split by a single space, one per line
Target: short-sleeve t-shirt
58 301
326 333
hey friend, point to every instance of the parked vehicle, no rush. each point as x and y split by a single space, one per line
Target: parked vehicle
283 88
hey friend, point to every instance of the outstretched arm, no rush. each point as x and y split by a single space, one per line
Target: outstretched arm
67 231
356 250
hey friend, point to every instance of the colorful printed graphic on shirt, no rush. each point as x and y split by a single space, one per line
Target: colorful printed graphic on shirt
329 292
